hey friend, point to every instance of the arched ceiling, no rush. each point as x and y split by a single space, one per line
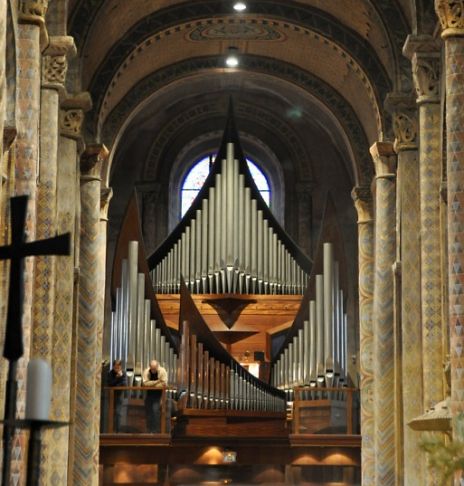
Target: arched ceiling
345 56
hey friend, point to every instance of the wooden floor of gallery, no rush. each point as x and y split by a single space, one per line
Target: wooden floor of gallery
311 459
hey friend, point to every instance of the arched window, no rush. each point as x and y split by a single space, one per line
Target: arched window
197 175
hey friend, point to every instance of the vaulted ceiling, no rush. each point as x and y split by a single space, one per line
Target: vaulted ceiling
310 87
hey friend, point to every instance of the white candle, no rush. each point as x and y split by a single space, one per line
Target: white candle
38 390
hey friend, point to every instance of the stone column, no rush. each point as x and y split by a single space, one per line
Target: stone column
64 339
3 20
31 34
452 23
91 290
44 343
363 202
425 55
384 364
408 350
305 215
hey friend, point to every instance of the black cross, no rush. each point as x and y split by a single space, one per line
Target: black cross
16 252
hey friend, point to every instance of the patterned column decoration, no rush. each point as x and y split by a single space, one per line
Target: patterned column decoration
408 350
384 365
89 323
64 338
425 54
54 67
451 17
27 151
363 202
3 17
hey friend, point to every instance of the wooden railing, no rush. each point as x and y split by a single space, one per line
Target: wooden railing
134 394
323 409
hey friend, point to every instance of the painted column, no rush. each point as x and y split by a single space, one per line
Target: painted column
452 23
363 203
64 331
3 20
92 161
408 352
91 291
384 365
31 38
54 68
426 73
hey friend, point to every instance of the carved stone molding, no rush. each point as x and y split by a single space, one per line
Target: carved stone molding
451 16
404 120
33 12
92 160
55 62
72 115
405 130
384 159
426 75
362 197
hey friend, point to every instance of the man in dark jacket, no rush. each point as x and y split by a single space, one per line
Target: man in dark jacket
117 377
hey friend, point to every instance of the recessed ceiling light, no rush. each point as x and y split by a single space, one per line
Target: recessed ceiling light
240 6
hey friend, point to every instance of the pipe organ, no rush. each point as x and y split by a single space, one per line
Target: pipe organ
136 338
210 378
315 351
229 242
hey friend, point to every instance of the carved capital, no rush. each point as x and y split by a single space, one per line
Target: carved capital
384 159
71 122
54 70
33 12
426 75
72 115
92 160
451 16
362 197
405 130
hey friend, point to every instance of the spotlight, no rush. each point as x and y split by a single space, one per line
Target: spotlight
240 6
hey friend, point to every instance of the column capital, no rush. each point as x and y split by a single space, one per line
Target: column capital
55 62
362 197
33 12
92 160
384 159
72 114
404 114
451 16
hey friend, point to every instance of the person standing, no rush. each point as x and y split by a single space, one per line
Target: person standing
155 376
117 377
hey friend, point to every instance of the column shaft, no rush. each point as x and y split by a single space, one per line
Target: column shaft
384 366
363 202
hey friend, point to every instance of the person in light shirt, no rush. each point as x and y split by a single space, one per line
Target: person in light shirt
156 377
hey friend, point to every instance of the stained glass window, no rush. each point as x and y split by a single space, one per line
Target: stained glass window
197 175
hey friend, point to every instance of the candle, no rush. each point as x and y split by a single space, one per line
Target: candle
38 390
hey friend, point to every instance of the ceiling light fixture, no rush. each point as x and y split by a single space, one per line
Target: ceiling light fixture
232 57
240 6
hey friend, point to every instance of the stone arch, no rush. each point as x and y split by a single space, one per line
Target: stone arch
334 103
